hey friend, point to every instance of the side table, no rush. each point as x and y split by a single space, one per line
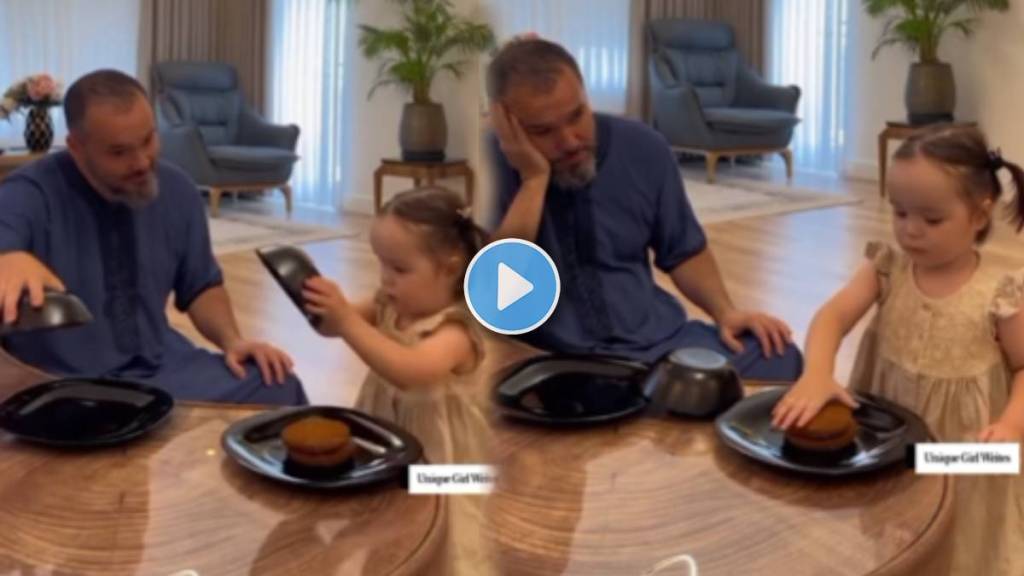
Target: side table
420 172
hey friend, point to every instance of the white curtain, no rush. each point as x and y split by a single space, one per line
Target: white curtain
66 39
305 86
807 45
596 32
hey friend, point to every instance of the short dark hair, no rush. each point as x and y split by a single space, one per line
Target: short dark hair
535 61
99 85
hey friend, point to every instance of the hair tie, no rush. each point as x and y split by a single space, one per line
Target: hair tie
995 160
464 218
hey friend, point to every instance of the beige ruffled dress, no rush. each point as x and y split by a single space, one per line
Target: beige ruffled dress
940 358
448 420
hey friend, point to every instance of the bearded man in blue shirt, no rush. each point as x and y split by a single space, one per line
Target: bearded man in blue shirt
599 194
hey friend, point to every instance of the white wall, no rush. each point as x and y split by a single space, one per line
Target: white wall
375 122
989 86
996 62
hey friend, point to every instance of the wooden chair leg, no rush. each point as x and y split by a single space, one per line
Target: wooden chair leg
378 189
711 160
287 191
883 157
215 194
787 155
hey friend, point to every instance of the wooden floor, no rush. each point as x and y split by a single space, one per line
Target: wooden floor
787 265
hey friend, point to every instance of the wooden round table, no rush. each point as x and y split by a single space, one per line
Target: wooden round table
623 498
173 501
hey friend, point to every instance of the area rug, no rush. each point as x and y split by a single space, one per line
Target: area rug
735 198
241 232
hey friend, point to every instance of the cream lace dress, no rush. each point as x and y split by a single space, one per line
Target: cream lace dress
940 358
448 420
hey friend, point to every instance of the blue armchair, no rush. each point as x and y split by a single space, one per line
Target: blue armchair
207 130
706 101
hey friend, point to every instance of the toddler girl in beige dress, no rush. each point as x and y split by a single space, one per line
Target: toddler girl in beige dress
423 347
948 338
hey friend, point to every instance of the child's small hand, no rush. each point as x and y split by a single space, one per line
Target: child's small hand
805 400
325 299
1001 432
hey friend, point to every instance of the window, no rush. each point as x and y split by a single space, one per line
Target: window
305 87
49 35
807 43
596 32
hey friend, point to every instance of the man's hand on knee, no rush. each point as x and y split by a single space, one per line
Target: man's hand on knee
773 334
273 363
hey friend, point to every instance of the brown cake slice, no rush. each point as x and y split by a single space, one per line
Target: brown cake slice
318 442
832 429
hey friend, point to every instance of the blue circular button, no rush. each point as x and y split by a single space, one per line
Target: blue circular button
512 286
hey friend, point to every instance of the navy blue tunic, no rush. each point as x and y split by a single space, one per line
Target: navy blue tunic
124 264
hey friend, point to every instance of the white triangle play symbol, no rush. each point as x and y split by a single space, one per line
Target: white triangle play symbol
511 286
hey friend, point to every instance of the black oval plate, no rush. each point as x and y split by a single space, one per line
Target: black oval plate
885 431
384 451
84 412
563 390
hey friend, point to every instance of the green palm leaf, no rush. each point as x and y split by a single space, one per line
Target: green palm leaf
412 55
920 24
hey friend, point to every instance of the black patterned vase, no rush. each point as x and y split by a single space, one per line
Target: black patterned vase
38 129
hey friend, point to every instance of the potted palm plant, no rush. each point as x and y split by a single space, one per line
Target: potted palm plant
919 25
431 40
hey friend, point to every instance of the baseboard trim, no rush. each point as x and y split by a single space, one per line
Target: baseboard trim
358 204
861 170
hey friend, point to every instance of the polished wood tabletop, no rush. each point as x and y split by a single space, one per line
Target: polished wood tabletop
627 498
630 497
173 501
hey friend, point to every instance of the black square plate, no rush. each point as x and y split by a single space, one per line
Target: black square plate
383 450
885 431
85 413
562 390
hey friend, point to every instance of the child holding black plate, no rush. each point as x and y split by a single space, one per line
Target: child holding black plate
422 345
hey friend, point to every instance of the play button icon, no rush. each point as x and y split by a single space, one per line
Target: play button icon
512 286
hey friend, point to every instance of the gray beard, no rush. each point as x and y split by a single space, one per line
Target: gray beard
134 199
578 178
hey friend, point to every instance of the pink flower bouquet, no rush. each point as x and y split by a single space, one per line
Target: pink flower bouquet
40 90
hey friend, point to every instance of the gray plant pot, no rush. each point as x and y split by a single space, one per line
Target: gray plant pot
424 133
930 94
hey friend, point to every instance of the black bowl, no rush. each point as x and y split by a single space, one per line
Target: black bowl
693 382
291 267
59 310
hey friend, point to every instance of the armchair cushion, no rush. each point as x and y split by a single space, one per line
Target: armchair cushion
749 120
250 157
215 113
711 73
